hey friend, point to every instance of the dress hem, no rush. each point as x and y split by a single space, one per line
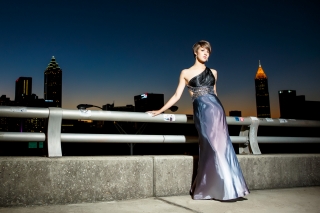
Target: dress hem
212 198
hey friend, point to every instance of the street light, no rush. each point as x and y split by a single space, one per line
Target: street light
85 106
174 108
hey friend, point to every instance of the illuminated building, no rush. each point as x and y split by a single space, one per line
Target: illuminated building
148 101
23 88
262 94
53 83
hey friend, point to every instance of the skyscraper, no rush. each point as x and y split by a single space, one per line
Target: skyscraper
23 88
288 104
53 83
293 106
262 94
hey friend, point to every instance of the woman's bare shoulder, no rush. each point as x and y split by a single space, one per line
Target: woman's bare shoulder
187 69
184 71
214 71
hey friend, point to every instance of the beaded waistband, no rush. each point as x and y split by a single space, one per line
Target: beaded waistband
200 91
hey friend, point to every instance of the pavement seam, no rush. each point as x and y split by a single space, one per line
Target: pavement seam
154 177
174 204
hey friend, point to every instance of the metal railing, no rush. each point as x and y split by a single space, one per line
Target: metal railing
247 139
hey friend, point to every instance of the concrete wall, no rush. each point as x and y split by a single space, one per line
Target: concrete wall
281 170
43 181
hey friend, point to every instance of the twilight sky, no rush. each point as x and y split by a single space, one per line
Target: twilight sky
113 50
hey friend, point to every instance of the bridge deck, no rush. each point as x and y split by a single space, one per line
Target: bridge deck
304 199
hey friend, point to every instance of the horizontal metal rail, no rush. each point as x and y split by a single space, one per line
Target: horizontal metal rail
107 138
115 138
23 112
272 122
262 139
287 122
122 116
22 136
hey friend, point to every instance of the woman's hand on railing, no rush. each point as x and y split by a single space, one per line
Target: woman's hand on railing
154 113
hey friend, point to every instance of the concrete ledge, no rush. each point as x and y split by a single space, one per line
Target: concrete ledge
280 170
43 181
172 175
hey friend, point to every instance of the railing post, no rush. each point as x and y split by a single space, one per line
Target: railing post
253 136
53 138
131 148
244 148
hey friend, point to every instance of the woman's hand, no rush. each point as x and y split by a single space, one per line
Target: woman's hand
174 98
154 112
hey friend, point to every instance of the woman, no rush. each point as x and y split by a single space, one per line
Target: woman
219 174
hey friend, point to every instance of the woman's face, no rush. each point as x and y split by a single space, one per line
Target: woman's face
202 54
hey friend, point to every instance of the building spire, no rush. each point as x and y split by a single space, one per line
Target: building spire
53 64
260 73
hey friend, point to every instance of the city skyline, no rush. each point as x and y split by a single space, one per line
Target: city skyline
110 52
259 74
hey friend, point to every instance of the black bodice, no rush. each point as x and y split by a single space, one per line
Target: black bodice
206 78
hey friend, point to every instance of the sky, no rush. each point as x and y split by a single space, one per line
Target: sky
110 51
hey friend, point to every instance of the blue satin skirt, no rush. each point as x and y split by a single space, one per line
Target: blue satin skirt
219 175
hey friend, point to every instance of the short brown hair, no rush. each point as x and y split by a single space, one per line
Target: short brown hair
203 44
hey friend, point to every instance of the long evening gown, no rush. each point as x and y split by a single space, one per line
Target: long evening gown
219 175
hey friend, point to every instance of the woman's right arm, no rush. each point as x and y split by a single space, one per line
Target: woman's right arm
175 97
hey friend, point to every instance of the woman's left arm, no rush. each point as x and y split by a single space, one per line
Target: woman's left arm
215 73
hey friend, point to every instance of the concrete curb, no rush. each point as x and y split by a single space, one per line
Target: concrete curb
44 181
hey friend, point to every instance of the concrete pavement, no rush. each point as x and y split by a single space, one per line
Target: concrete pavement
304 199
